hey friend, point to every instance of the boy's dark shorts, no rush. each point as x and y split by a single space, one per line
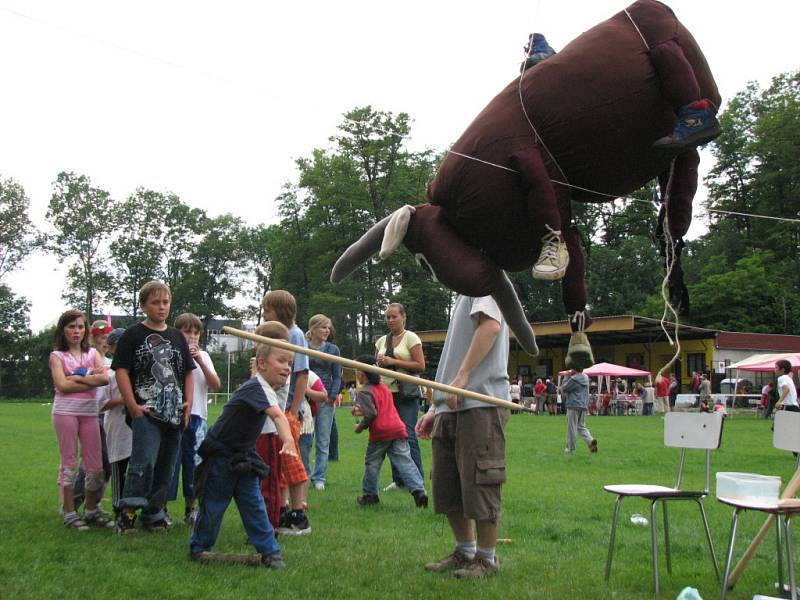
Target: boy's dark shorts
469 462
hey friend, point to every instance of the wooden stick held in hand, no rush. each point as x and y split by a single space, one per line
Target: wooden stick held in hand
353 364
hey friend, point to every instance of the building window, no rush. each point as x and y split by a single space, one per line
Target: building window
634 361
696 362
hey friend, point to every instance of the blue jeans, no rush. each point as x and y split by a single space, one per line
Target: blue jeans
333 446
400 456
153 452
322 432
221 486
190 440
408 411
306 442
647 409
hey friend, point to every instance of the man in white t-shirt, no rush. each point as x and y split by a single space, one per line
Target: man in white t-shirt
468 444
787 392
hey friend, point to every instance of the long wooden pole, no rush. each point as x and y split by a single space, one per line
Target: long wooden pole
789 491
353 364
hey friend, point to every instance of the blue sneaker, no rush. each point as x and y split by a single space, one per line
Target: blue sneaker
540 45
696 126
538 50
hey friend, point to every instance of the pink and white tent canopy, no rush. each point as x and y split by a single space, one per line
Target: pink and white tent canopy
766 362
609 370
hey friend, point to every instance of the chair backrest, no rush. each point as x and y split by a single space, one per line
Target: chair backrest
787 431
695 431
702 431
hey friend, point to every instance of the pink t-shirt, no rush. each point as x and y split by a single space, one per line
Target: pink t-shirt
76 404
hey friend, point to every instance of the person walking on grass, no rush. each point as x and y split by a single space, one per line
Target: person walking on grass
153 366
387 435
575 390
401 350
231 468
467 435
77 370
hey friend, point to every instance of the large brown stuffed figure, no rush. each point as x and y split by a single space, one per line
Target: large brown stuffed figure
588 124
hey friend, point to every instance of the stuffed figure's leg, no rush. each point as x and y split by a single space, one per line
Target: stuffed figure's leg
573 290
697 123
542 208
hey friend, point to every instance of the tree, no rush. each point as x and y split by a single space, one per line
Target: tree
342 191
137 249
212 275
83 218
16 230
14 331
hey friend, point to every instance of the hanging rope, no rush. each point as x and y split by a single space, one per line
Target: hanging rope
670 260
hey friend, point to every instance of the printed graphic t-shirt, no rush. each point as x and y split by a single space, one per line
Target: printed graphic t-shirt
157 362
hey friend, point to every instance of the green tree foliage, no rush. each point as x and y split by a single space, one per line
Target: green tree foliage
213 275
82 218
17 234
341 193
757 172
14 333
137 247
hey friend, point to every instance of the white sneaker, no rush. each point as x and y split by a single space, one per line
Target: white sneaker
554 257
390 487
319 486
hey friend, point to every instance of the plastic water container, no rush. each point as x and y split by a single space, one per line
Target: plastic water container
750 486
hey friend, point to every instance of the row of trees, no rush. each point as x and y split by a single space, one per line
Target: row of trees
742 275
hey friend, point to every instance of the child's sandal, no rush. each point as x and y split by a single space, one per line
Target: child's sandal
73 521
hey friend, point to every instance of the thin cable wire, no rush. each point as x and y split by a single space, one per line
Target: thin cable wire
644 41
623 198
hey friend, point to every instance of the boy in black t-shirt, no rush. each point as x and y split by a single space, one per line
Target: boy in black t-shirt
153 367
231 468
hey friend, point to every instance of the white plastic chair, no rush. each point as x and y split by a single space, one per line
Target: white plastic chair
786 436
700 431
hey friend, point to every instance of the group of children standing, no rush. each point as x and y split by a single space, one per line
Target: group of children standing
150 369
150 384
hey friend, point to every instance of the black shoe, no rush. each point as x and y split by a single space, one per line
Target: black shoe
160 526
368 500
273 561
420 498
296 524
126 521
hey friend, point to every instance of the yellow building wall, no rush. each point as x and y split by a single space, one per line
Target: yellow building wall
654 356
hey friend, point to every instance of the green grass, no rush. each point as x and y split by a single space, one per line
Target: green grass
556 515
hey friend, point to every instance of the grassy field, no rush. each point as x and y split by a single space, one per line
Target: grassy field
556 515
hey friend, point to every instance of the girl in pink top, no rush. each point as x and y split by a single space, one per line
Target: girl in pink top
77 370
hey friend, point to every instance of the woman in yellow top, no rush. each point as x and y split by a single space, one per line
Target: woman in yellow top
401 350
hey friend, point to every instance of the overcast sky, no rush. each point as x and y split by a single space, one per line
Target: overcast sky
215 101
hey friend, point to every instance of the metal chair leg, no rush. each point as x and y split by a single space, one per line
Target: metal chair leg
729 559
708 537
654 542
666 536
613 535
790 556
778 537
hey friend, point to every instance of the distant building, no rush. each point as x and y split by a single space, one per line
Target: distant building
219 341
632 341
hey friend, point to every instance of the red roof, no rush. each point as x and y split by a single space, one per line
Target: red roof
770 342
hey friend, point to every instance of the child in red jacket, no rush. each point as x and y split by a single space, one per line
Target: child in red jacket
387 435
